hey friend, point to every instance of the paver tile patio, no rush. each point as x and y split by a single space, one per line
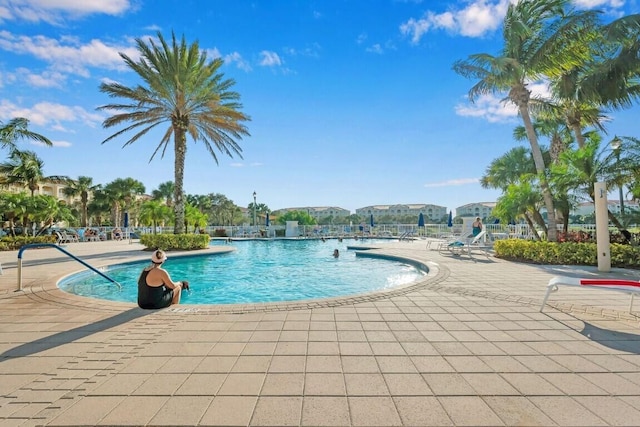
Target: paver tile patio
467 346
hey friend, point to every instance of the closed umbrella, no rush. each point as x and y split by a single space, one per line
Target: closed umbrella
450 220
267 222
420 221
372 224
126 224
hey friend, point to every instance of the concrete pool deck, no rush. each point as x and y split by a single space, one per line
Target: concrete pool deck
466 346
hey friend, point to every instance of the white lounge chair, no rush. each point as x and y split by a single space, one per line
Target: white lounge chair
630 287
462 243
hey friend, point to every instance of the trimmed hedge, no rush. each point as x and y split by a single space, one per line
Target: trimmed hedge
9 243
170 242
568 253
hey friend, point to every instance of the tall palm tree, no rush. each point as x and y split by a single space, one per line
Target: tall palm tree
26 168
539 39
16 130
82 187
186 91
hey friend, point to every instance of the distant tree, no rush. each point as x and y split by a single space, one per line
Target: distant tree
154 213
81 187
195 217
302 217
165 192
26 168
185 91
100 206
121 193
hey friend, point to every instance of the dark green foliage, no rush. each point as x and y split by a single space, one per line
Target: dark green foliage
9 243
568 253
170 242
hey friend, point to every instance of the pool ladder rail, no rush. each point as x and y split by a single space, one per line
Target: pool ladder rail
53 245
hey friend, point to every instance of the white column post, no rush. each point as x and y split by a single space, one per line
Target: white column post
602 227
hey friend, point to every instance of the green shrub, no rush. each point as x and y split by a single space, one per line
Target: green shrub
567 253
10 243
171 242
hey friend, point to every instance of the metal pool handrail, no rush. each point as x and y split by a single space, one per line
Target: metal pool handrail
53 245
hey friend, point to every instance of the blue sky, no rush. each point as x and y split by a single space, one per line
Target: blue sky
353 102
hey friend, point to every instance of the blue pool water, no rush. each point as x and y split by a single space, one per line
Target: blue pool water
259 271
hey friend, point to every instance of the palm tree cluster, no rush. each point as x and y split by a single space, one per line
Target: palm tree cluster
590 67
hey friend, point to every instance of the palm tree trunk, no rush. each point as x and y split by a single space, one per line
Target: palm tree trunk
552 234
577 130
180 147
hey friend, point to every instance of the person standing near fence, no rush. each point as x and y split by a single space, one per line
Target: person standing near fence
476 227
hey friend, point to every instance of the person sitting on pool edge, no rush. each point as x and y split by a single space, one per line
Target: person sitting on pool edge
155 287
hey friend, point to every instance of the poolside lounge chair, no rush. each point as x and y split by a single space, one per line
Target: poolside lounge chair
466 245
630 287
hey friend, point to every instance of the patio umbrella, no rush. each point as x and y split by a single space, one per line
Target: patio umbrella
372 224
450 220
267 222
421 220
126 224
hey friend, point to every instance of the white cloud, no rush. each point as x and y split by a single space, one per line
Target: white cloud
63 144
270 59
312 51
590 4
497 110
45 79
475 20
68 54
453 182
213 53
48 114
488 107
478 17
376 48
56 11
236 58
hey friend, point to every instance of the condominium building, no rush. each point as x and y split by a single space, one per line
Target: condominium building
317 212
481 209
430 212
48 188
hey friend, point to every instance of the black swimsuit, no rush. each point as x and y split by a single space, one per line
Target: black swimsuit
150 297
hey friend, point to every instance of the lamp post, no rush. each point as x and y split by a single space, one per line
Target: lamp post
616 145
254 208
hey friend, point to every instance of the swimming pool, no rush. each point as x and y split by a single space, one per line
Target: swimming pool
260 271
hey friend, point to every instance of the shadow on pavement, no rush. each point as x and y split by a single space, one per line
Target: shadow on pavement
622 341
75 334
